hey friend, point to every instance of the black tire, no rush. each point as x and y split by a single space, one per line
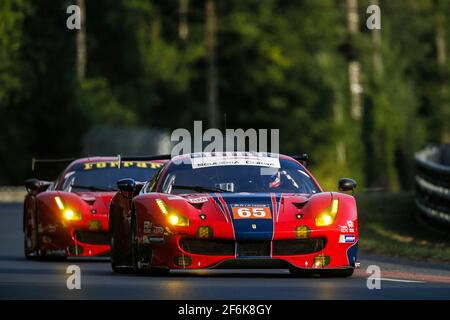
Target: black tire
141 256
117 259
135 252
337 273
27 254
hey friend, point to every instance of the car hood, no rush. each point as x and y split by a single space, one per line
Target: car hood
252 215
97 202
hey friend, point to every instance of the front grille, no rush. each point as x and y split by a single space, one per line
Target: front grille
208 247
298 246
92 237
253 248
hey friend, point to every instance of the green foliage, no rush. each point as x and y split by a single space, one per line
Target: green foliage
12 14
98 105
281 64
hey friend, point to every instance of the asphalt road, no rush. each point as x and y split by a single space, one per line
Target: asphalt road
22 279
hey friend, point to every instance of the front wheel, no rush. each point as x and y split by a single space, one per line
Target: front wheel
142 255
117 260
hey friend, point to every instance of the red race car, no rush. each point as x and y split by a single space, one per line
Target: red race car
234 210
69 218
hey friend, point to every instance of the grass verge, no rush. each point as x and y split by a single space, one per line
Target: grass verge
389 226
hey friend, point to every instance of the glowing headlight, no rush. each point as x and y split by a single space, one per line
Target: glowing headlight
174 218
68 214
328 216
178 220
71 215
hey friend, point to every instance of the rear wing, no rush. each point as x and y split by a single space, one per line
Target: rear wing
35 161
121 159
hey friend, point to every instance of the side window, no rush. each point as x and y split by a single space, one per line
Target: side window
154 181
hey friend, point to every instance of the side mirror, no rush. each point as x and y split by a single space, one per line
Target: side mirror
126 187
35 185
346 184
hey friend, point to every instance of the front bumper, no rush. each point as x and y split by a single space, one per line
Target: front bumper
182 252
75 239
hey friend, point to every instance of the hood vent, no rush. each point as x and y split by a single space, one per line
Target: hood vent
89 200
300 205
198 206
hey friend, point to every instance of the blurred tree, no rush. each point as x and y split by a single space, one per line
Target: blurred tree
280 64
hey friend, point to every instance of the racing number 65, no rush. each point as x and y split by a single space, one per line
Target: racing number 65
251 212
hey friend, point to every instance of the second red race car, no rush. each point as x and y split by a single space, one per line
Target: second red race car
69 217
234 210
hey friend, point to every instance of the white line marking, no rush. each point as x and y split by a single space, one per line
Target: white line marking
400 280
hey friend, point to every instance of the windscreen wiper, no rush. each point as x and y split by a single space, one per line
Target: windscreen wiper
93 188
200 188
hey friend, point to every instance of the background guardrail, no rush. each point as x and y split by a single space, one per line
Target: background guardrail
12 194
432 182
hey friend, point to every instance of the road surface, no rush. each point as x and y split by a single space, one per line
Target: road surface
22 279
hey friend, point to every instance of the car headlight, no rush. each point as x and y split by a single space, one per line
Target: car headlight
72 215
68 214
175 219
328 216
178 220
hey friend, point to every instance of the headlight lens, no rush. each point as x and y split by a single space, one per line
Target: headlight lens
72 215
328 216
175 219
178 220
68 214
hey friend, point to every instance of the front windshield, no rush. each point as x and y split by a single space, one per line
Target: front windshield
288 178
103 176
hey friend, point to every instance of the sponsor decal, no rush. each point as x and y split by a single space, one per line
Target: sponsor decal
152 239
147 227
302 232
251 211
150 228
124 164
197 199
349 228
346 238
202 160
205 232
94 225
158 230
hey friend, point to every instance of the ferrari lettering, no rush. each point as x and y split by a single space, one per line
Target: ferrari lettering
125 164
